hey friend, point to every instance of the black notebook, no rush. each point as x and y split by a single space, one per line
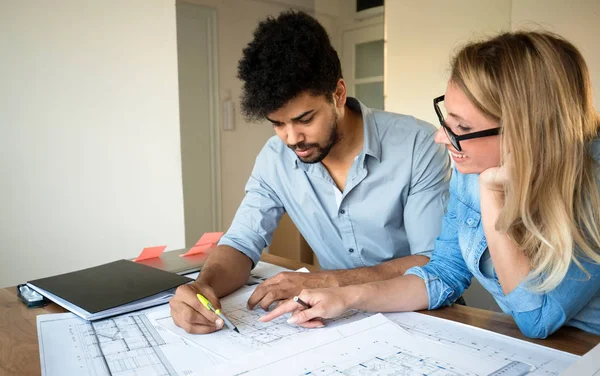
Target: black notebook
109 289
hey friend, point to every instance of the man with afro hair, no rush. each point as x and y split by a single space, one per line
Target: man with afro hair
366 188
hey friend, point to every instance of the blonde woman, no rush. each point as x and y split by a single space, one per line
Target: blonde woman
524 210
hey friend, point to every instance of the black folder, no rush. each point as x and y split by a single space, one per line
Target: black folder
109 289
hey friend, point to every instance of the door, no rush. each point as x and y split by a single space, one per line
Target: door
198 112
362 63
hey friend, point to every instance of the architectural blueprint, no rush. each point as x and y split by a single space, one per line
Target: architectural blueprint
374 346
254 335
125 345
470 339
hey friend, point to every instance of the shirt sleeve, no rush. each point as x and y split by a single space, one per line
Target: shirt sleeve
446 275
258 215
539 315
426 202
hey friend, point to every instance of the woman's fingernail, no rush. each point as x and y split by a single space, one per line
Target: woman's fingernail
292 320
219 323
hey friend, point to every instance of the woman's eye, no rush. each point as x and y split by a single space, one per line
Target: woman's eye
463 129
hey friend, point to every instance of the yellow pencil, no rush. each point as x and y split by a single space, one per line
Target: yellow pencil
210 307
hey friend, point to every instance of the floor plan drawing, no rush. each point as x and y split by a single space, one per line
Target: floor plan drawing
374 346
545 361
126 345
254 335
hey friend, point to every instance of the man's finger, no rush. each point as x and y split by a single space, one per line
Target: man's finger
288 306
258 294
190 298
280 302
208 294
185 315
198 328
271 297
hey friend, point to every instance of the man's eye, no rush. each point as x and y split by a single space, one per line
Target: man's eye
306 121
277 125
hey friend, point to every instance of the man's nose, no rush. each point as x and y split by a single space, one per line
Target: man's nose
294 136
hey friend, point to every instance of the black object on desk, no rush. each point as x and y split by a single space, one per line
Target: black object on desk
109 289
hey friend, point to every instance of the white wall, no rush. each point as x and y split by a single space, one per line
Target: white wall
89 145
576 20
420 40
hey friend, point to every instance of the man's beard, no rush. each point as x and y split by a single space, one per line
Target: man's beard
320 152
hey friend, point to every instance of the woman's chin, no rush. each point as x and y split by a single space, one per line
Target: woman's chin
465 169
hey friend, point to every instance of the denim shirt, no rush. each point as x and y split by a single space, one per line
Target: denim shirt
392 204
461 252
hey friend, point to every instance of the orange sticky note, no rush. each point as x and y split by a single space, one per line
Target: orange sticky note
151 252
198 249
209 238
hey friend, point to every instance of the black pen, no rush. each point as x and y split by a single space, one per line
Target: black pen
302 302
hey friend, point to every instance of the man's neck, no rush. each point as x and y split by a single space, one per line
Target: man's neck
351 133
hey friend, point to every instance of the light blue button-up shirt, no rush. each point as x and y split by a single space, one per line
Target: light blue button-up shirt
461 252
392 204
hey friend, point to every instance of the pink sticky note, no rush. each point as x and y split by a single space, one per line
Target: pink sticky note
209 238
198 249
151 252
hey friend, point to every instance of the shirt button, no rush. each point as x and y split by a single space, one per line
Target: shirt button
342 211
351 250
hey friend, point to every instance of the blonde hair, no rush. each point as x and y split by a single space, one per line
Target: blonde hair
537 86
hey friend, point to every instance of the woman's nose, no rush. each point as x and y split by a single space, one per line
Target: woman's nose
441 137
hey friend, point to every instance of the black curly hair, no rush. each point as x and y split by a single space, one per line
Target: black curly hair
289 55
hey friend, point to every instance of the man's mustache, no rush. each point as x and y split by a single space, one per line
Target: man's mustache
302 146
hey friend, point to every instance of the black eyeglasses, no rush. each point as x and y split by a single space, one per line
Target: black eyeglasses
453 137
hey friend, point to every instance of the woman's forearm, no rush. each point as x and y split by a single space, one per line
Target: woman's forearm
404 293
510 263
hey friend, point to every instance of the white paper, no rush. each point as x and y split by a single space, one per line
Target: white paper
254 335
120 346
587 365
137 344
373 346
469 339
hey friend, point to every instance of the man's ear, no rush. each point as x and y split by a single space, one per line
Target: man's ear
339 96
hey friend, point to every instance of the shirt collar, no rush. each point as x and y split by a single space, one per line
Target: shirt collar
372 143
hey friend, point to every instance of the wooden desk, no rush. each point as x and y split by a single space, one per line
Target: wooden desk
19 351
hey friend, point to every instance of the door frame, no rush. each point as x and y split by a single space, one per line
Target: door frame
368 28
214 114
